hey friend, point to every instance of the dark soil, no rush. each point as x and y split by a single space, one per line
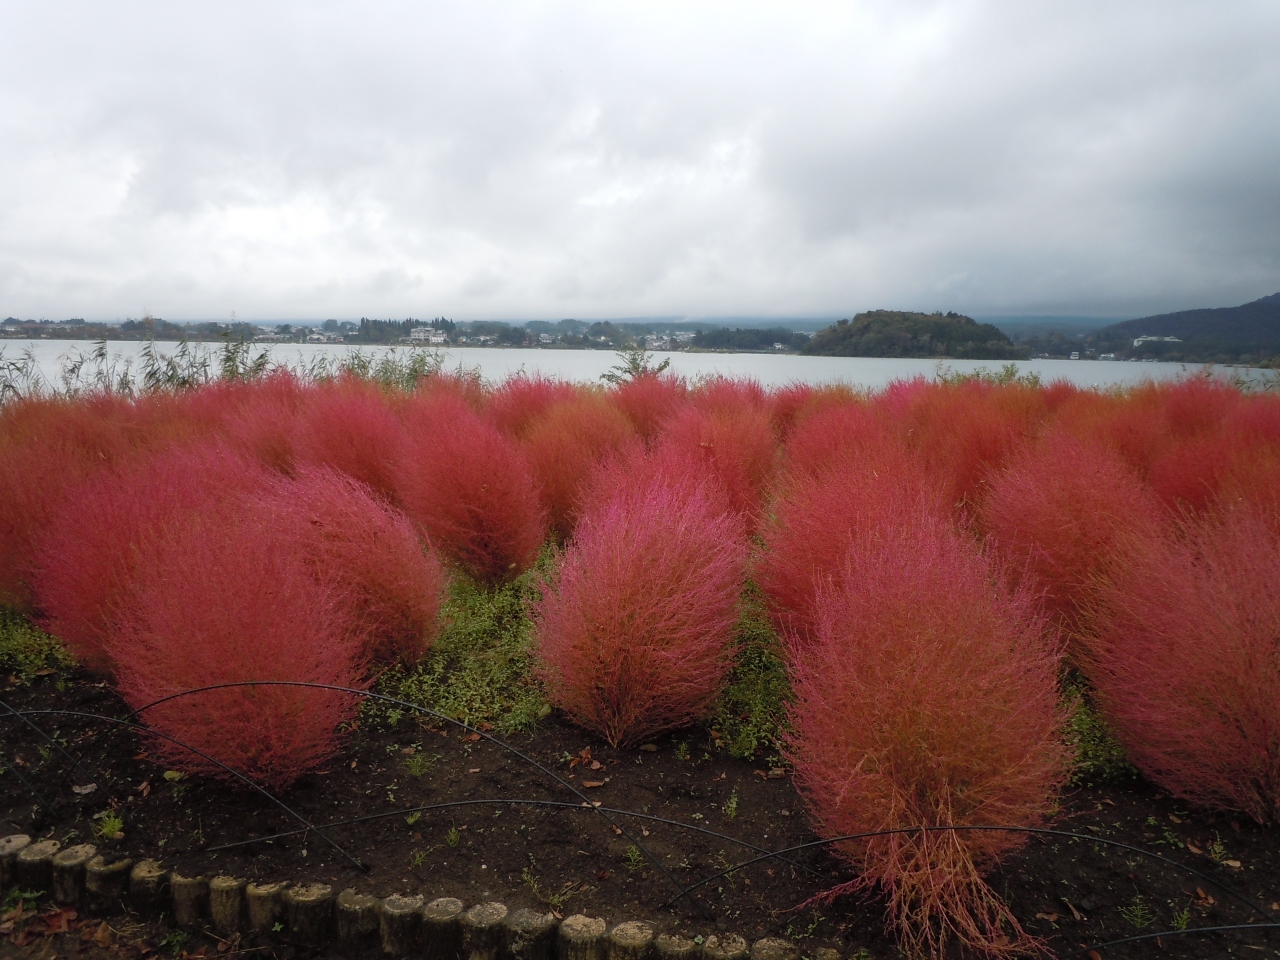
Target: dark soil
494 842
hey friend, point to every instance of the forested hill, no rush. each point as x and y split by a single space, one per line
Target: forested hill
1241 334
897 333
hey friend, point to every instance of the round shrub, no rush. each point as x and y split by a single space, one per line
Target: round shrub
634 632
1185 662
926 696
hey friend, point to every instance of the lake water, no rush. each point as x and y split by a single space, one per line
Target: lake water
496 363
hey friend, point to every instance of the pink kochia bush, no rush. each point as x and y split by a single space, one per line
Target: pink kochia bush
86 557
926 696
1060 516
469 489
349 426
819 514
1185 663
222 598
367 555
634 632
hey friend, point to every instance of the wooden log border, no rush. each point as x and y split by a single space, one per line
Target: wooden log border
350 923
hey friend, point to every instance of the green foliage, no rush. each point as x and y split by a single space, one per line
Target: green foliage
1138 913
480 669
25 650
635 363
899 333
1099 758
722 338
750 713
1007 375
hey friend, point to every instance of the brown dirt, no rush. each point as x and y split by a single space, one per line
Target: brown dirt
491 845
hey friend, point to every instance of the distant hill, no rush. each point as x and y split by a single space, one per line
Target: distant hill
1246 334
898 333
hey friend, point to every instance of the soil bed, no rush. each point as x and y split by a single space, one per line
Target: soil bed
571 859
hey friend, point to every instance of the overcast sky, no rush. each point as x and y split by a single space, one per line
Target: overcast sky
543 160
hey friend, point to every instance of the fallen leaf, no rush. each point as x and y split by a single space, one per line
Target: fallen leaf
602 875
649 747
86 789
1175 818
644 832
1233 864
474 770
45 672
592 783
485 726
1094 955
777 773
471 737
103 936
597 765
408 751
1051 917
144 788
1074 912
1193 848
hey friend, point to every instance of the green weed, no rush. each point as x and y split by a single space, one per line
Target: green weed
633 858
419 763
731 805
749 715
1099 758
108 827
1138 913
453 836
26 650
480 669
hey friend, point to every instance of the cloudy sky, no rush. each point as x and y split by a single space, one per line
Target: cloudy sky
543 160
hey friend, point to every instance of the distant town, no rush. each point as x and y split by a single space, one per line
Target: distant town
1248 334
437 332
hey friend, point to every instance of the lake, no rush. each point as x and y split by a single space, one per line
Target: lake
771 370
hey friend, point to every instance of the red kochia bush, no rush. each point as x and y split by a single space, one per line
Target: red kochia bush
564 444
349 426
927 697
255 417
819 514
47 448
736 442
649 400
964 432
1059 516
469 489
831 432
223 599
523 398
87 556
1185 663
368 555
635 631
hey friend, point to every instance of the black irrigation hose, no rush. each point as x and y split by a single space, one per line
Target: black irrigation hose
1168 933
59 747
447 719
1038 831
564 804
235 773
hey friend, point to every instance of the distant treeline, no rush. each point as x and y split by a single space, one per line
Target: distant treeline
898 333
749 339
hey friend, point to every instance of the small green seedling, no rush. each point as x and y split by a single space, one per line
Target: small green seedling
731 805
1138 913
419 763
682 751
453 836
413 818
109 827
633 858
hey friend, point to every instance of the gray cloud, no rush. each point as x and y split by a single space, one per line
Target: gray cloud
582 159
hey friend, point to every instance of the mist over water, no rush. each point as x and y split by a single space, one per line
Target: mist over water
495 364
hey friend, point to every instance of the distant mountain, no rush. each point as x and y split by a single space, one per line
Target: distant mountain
1246 334
898 333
